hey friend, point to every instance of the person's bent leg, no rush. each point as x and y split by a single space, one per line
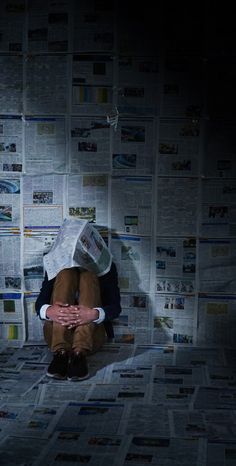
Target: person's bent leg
87 338
90 337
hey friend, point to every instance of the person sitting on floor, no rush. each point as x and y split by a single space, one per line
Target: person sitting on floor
78 299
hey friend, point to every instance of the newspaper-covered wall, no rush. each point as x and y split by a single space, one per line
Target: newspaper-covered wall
97 126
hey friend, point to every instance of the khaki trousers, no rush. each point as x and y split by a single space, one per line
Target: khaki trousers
69 284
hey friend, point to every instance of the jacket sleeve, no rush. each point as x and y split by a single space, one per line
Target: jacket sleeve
110 294
45 293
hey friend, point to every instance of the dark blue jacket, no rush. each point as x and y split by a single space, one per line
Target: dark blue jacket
110 297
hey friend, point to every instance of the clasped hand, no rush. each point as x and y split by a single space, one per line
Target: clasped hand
71 315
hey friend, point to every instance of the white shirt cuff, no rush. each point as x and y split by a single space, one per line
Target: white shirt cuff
101 315
42 312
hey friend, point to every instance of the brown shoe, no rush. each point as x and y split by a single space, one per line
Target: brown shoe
77 367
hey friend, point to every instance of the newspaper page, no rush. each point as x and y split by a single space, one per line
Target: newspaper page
45 190
12 26
211 424
135 310
221 376
176 385
183 92
124 392
175 265
19 451
92 84
62 392
10 189
216 320
179 146
34 331
98 418
48 26
45 145
87 198
10 143
10 275
144 419
138 84
218 208
153 354
173 319
10 307
47 95
133 147
201 355
78 244
217 265
93 26
11 83
163 450
215 398
35 247
219 453
131 204
132 258
219 160
177 206
90 145
30 421
76 447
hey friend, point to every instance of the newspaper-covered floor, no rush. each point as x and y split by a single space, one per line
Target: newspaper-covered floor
142 404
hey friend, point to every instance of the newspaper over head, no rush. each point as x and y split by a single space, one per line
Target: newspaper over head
78 244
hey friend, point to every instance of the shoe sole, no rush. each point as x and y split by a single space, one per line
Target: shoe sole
56 376
77 379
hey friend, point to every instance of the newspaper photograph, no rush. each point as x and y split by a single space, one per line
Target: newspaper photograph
11 307
133 152
92 78
131 213
48 95
11 143
84 195
10 189
90 145
45 145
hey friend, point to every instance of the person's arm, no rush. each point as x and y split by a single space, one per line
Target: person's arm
110 294
44 297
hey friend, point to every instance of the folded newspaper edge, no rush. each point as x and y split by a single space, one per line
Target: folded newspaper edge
78 244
